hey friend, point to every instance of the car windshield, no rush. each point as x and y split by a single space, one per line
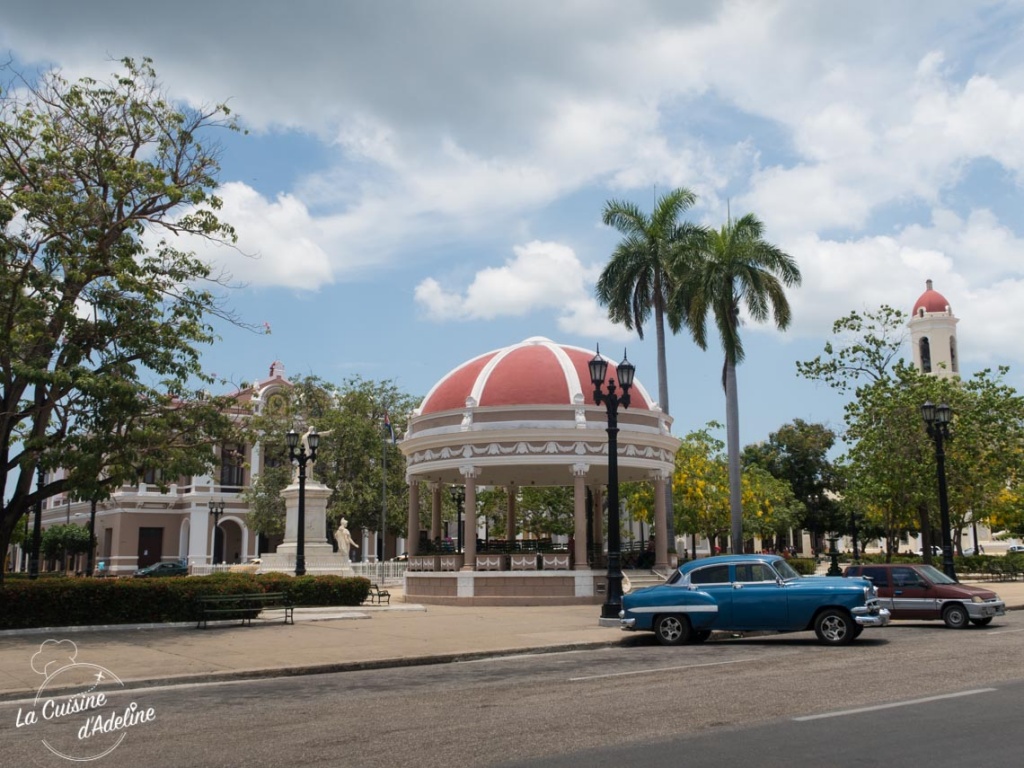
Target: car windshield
785 570
934 575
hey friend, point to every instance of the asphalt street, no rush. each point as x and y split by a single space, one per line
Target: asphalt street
778 700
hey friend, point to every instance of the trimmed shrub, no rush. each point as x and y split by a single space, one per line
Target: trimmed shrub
89 602
805 566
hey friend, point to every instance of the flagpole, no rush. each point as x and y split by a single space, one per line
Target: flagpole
383 497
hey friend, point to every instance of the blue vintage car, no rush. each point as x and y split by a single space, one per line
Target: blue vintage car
751 593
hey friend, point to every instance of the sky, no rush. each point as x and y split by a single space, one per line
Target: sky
422 182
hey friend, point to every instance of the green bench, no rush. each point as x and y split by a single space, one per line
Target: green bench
378 595
244 607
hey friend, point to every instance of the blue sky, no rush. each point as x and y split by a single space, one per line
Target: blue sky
422 181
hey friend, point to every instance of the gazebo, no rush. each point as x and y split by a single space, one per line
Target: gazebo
519 416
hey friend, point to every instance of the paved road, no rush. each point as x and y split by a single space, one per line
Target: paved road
696 704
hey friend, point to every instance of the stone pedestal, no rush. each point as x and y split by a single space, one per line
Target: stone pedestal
320 555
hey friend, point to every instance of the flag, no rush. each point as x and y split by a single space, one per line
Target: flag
387 427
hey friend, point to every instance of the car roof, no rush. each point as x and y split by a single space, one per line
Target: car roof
727 559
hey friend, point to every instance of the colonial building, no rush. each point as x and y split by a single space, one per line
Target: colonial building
140 524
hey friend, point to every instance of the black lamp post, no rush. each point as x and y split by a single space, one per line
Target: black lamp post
298 453
626 370
37 528
459 497
92 538
216 510
937 418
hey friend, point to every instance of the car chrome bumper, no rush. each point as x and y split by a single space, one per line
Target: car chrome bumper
625 623
985 610
865 619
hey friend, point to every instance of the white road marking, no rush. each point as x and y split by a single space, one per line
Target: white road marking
1002 631
878 707
662 669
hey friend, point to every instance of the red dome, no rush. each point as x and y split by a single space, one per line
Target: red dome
534 372
931 301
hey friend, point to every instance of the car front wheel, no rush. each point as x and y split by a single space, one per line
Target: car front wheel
672 629
955 616
834 627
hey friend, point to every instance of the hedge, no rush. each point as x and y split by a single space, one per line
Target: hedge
68 602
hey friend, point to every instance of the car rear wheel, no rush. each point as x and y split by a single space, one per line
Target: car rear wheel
672 629
982 622
955 616
834 627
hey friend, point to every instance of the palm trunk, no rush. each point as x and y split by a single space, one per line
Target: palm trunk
732 432
659 332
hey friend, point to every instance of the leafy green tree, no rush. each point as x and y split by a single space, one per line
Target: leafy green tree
728 269
102 312
890 466
65 540
638 280
866 348
356 457
797 453
700 484
769 507
546 512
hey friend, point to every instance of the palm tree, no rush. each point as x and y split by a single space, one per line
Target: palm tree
727 268
637 280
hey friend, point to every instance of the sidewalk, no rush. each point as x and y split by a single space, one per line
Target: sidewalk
325 640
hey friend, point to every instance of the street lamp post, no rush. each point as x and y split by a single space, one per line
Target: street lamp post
937 418
459 497
216 510
611 400
92 538
298 453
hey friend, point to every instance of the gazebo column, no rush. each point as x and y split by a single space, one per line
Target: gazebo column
435 511
510 514
579 498
660 480
598 521
412 545
469 472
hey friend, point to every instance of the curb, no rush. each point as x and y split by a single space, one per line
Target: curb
307 614
333 668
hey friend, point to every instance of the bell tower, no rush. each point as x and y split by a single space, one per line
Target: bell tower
933 335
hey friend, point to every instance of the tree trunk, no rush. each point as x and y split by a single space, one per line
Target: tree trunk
659 333
732 432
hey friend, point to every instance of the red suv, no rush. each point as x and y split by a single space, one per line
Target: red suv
919 592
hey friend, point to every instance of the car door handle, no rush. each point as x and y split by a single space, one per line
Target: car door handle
898 592
737 586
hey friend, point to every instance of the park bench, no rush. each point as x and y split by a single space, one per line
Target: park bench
244 607
378 595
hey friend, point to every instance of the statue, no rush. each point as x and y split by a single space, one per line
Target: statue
304 442
344 539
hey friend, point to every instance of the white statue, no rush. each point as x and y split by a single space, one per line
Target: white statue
304 441
344 539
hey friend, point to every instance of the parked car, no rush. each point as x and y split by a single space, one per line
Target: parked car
163 569
1015 549
923 592
936 551
971 551
748 593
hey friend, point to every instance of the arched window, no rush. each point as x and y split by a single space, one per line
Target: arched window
926 356
952 355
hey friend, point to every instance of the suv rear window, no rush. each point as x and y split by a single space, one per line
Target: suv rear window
879 576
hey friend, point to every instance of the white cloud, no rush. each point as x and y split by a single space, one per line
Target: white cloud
542 276
279 243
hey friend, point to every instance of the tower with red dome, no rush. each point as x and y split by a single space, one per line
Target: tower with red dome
933 335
